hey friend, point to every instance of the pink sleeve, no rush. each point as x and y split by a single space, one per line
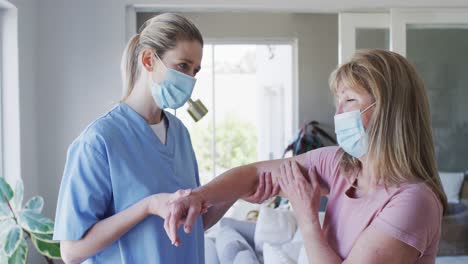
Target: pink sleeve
412 216
326 161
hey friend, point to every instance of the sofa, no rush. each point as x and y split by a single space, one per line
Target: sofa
454 237
274 238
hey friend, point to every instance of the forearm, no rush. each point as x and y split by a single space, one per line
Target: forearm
237 182
104 233
316 244
215 213
229 186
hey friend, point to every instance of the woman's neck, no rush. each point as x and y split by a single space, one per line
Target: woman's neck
142 102
365 180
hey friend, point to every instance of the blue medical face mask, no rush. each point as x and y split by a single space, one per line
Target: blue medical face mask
350 132
174 90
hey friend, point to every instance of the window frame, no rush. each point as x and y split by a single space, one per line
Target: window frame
252 41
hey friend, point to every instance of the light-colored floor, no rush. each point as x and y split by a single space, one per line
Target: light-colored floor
452 260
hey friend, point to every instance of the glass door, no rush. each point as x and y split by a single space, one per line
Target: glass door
436 42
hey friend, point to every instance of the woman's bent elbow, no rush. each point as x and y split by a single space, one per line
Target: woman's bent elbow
69 253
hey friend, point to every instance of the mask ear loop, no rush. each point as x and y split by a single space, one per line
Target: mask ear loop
353 184
156 55
367 108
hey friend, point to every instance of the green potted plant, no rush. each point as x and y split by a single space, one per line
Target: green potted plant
19 223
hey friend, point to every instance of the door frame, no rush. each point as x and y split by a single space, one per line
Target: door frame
347 25
401 18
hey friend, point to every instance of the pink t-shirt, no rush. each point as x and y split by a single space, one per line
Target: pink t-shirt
411 213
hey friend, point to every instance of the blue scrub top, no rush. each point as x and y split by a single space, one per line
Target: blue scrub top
117 161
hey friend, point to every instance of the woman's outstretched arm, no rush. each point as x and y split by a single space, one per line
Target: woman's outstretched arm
242 181
227 187
265 190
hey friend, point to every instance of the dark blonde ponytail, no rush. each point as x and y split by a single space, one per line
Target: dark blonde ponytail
129 65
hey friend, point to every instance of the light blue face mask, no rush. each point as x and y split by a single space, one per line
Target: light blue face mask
350 132
174 90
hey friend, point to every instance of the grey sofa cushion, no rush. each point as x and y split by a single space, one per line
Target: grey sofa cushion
454 237
246 257
229 243
211 257
245 228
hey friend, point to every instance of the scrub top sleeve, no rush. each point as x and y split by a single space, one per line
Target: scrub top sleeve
85 192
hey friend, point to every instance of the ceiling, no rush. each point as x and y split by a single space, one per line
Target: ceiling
301 6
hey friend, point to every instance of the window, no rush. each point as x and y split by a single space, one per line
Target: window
9 92
1 91
248 90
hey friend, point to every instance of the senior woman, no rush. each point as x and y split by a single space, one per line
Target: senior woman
385 197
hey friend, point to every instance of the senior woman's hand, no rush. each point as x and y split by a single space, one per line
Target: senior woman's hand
265 189
183 211
303 195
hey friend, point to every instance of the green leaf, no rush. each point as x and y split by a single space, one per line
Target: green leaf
5 211
5 189
35 204
35 223
45 237
13 239
6 225
51 250
3 258
18 195
20 255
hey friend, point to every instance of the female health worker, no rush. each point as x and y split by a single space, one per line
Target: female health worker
126 166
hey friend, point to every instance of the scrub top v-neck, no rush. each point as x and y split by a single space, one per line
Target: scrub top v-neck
160 129
115 162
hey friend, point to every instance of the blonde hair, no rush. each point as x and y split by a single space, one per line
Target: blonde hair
160 33
400 142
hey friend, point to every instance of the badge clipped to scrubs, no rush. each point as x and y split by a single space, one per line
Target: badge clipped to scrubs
175 90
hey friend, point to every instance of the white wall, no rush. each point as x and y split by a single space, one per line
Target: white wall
80 45
69 58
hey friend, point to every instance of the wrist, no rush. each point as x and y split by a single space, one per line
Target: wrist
201 194
306 215
148 205
309 223
154 204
